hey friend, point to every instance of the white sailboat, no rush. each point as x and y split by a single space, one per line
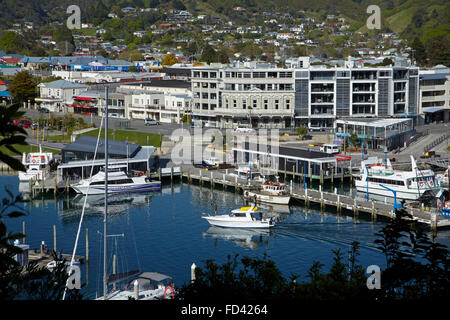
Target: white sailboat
141 287
36 164
408 185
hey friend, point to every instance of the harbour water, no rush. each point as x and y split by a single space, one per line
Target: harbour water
163 232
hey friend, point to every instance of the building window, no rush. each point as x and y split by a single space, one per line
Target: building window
276 104
288 104
234 103
266 102
255 104
244 104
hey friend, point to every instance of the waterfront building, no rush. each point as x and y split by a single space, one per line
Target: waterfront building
375 133
323 95
256 98
77 157
434 95
289 159
263 96
205 81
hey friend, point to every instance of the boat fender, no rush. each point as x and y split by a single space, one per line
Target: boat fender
171 289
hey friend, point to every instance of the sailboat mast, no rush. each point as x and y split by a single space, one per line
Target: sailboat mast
105 220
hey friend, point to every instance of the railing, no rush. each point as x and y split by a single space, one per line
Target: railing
417 136
436 142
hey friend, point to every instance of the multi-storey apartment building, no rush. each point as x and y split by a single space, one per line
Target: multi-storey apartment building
205 83
259 96
434 103
323 95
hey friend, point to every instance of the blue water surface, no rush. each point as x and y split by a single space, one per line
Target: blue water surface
164 232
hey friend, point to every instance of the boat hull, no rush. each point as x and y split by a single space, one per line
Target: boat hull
268 198
400 194
225 223
152 186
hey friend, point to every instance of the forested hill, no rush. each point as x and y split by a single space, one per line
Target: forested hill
410 18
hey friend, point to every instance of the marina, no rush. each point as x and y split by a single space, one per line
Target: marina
226 179
156 237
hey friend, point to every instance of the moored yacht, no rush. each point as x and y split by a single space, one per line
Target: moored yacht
408 185
37 164
118 181
244 217
271 192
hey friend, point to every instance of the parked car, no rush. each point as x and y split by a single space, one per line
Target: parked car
24 123
306 137
43 110
150 122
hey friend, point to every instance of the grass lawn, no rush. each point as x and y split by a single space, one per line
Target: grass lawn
27 149
119 135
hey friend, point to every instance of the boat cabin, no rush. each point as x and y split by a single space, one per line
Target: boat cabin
330 148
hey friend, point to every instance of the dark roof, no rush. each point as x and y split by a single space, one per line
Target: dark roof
177 71
169 84
117 149
290 151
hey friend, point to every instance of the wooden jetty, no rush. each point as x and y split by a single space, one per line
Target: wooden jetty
223 178
324 199
43 258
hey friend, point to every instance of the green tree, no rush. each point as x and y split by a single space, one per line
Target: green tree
169 59
419 52
438 50
301 131
10 42
209 54
23 87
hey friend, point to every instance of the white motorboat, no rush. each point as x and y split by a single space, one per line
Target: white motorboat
246 172
271 192
245 217
118 181
37 165
408 185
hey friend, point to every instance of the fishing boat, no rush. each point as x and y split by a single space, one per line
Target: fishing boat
271 192
382 179
37 165
244 217
118 181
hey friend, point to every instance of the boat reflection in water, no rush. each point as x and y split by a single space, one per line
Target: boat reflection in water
95 204
246 238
